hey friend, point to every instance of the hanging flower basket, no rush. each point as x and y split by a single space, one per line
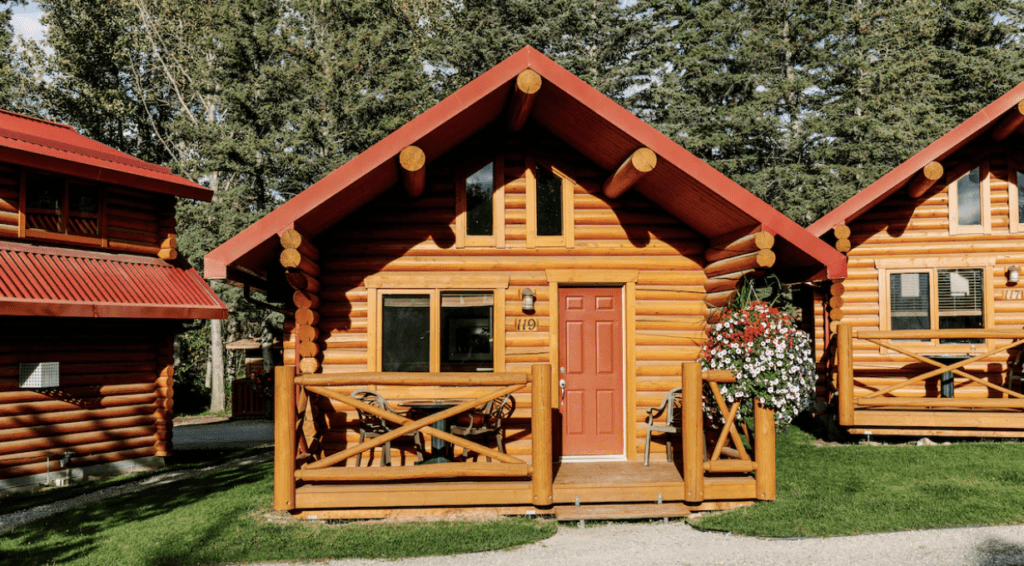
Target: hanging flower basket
772 359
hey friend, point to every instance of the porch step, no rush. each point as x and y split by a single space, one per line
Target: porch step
621 511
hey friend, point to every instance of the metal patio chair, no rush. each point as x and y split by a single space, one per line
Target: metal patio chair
372 426
486 421
672 407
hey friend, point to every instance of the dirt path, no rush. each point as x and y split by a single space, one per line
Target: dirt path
678 544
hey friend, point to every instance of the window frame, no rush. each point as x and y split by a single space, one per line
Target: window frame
64 234
886 267
379 285
1013 195
984 194
497 237
567 239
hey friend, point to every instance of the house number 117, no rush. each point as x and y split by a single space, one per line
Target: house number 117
1011 293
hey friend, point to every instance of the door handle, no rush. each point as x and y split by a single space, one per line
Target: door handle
561 385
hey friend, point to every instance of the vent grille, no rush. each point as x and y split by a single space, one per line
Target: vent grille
39 375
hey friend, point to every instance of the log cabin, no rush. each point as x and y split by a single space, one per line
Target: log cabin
525 236
92 293
924 336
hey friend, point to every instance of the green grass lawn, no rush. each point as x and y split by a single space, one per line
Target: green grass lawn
845 490
219 517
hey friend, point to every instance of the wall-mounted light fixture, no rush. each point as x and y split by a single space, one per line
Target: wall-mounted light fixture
1013 274
528 298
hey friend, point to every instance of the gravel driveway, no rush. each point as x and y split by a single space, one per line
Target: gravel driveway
678 544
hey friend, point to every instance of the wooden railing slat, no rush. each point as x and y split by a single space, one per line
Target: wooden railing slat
410 426
717 392
460 379
948 402
449 470
965 333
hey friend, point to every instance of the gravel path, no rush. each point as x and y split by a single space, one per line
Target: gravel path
678 544
11 520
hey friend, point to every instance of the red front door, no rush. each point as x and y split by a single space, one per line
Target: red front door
590 353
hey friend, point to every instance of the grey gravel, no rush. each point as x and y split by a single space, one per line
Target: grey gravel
677 543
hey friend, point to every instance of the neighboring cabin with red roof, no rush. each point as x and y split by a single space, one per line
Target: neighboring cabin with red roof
91 295
923 336
525 219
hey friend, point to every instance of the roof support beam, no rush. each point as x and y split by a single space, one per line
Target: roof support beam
414 171
731 258
1010 123
925 179
640 163
524 94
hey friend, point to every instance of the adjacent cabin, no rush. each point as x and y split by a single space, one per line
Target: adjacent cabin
91 295
924 336
525 238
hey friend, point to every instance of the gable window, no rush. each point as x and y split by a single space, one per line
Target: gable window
1015 187
935 298
549 205
480 206
53 205
969 202
436 323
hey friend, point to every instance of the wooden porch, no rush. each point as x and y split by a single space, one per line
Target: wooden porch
957 394
718 476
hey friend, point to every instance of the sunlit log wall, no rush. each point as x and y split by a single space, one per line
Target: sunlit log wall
901 227
399 234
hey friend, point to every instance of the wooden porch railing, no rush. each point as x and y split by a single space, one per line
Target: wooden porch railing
291 399
737 459
883 397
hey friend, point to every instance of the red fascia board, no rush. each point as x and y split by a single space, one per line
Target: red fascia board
77 166
58 309
966 132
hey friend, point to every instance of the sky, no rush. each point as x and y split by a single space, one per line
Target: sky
26 21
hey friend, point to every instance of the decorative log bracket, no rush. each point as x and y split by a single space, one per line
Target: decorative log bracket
638 164
925 179
413 163
524 95
746 252
299 258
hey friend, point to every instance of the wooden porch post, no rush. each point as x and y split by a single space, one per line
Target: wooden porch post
764 451
542 436
284 438
844 353
693 424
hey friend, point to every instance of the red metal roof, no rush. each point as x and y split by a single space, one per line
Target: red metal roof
44 281
50 146
940 149
593 124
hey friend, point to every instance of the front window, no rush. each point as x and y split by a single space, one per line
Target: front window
937 298
54 206
430 331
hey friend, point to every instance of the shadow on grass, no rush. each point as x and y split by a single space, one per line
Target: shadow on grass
76 533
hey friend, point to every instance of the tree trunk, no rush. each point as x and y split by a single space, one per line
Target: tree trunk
217 364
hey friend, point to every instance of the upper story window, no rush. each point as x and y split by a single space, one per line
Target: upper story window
549 205
53 205
969 203
480 206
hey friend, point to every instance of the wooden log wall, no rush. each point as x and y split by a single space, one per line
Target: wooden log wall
114 401
130 220
902 227
397 234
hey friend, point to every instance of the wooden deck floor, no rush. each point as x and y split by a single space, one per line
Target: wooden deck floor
595 490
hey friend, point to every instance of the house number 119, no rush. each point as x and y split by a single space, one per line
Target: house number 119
527 324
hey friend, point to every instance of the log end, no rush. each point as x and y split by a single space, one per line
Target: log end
412 159
644 160
528 82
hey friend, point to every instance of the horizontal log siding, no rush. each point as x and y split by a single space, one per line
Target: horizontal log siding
132 216
396 234
112 403
901 227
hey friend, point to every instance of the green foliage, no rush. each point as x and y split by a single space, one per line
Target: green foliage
222 517
854 489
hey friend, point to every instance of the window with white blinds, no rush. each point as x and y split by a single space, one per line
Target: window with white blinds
909 301
961 301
